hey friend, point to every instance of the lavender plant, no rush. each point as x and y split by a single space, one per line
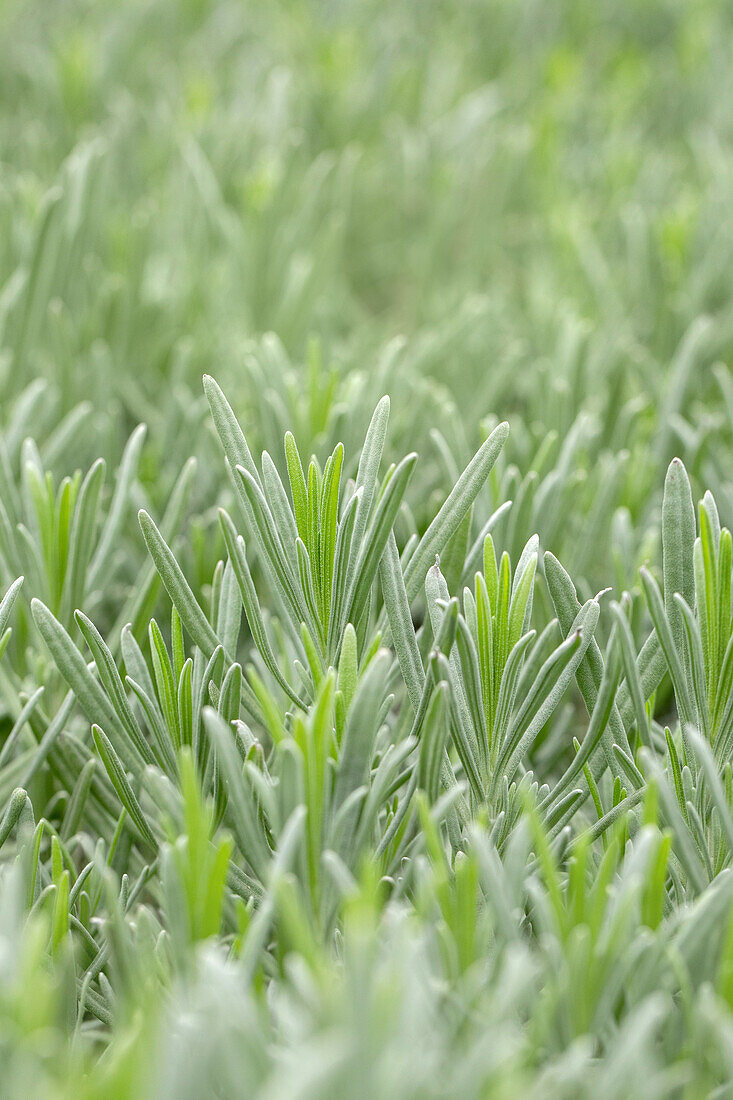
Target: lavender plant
351 743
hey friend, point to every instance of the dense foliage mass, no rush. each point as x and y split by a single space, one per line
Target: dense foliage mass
391 771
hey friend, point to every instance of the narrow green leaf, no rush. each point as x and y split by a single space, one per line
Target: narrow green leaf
449 518
178 587
120 782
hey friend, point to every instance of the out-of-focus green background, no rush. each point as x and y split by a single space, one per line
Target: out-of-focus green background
518 209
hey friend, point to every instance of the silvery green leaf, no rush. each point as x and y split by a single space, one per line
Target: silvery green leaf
456 506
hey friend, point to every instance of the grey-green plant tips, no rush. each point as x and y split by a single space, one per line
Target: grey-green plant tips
366 575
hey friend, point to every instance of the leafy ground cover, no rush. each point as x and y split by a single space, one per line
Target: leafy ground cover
366 711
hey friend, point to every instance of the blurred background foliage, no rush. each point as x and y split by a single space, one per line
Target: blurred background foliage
506 210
